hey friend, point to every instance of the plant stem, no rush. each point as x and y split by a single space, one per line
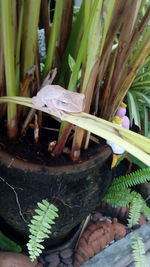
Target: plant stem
76 69
18 45
29 34
125 57
72 47
83 45
54 36
9 60
2 78
96 41
45 19
124 41
117 19
66 26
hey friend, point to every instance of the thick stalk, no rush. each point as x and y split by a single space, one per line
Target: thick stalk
2 79
45 19
96 41
107 86
75 73
14 19
105 99
118 16
107 11
71 48
124 41
29 34
54 36
79 132
83 45
9 61
18 45
66 26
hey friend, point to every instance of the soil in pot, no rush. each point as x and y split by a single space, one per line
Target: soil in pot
75 188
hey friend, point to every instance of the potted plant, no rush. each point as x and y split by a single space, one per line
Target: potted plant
94 52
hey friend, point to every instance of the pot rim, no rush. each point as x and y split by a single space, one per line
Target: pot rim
14 162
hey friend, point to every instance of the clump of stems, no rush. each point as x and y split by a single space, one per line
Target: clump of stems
108 40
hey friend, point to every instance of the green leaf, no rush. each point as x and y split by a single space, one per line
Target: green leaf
133 109
141 76
42 207
72 45
141 83
138 252
146 210
143 97
131 179
71 62
146 121
40 212
54 36
135 211
137 161
76 69
40 227
120 194
121 197
7 244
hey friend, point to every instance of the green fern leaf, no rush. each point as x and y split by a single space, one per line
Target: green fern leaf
135 210
40 227
41 206
134 194
138 252
146 210
39 212
118 197
140 176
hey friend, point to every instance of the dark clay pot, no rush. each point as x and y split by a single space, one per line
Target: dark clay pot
75 189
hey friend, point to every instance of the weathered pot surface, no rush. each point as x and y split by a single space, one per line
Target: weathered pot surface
75 189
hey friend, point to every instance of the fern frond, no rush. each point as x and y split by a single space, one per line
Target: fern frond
40 227
146 210
137 177
134 195
127 198
138 252
134 212
118 198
